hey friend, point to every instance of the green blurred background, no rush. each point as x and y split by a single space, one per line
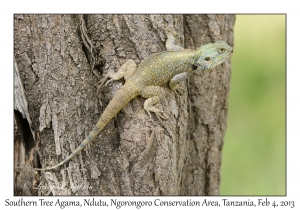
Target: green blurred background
254 152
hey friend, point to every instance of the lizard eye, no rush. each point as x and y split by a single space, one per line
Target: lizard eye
222 49
207 58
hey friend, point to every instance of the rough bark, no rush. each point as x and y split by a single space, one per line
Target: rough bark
60 59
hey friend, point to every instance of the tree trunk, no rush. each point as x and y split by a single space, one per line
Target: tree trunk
59 60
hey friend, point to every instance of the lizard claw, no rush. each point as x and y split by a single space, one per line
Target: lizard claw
105 80
156 111
160 116
102 81
179 91
172 31
149 114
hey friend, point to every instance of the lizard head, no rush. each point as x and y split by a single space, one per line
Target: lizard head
209 56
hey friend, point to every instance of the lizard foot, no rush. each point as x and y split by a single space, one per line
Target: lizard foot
105 80
156 111
170 43
179 91
171 31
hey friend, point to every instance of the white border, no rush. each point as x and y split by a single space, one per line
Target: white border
153 6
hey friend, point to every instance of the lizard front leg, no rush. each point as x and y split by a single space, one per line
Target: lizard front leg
174 82
153 94
170 43
126 71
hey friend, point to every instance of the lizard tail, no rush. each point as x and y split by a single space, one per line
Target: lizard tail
122 97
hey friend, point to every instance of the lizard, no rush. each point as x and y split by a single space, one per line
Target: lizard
172 66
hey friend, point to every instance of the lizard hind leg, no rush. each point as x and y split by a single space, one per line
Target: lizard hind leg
153 94
126 71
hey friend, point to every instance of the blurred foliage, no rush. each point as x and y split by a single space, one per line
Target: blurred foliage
254 152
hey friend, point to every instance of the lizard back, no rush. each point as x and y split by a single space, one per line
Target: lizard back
161 67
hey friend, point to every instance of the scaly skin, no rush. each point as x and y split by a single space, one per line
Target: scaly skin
172 66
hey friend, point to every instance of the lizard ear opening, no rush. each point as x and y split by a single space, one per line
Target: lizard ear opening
194 67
